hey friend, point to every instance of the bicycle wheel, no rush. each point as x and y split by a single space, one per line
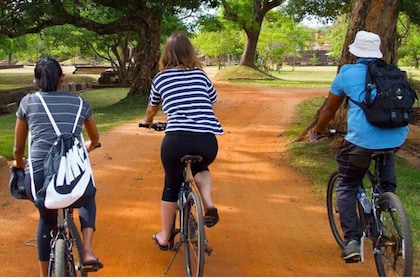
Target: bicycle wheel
77 248
60 264
333 213
394 246
195 238
332 209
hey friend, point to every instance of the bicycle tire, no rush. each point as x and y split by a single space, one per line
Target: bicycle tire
77 249
332 210
333 213
60 261
394 246
195 237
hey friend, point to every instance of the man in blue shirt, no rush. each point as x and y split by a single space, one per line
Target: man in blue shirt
361 140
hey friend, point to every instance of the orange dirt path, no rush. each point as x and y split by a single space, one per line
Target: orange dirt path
271 223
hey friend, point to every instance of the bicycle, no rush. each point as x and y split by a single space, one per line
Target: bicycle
386 224
66 254
189 227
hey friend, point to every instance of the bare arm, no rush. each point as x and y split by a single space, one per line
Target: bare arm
21 133
92 132
151 112
328 111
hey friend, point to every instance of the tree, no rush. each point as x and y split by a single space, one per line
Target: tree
280 37
409 52
141 17
249 15
218 44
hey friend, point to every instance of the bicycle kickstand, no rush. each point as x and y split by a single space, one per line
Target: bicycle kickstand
362 248
171 262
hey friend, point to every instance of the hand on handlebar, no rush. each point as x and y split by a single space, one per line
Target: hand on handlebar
89 146
158 126
145 124
314 136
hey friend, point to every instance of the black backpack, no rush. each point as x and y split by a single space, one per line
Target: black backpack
392 105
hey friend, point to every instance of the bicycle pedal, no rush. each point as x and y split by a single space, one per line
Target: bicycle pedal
91 267
208 250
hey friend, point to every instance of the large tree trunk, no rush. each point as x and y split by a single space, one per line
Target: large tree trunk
378 16
146 57
249 54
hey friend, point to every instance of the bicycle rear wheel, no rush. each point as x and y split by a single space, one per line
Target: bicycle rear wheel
62 268
394 246
195 237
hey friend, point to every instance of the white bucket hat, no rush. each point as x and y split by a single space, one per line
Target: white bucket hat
366 44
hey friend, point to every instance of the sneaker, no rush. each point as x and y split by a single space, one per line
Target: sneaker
351 251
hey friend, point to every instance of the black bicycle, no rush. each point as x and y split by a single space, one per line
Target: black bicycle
188 227
385 222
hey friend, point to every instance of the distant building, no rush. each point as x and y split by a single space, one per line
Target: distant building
319 55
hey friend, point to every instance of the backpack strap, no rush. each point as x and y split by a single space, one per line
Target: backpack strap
53 123
368 88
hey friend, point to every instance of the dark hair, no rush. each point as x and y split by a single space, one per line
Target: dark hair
47 74
179 53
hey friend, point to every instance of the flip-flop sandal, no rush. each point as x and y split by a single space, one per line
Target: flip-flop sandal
161 247
211 218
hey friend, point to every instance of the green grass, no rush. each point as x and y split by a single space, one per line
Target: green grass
112 107
302 77
317 160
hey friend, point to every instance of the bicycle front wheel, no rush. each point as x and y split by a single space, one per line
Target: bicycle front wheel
195 237
332 209
394 246
333 213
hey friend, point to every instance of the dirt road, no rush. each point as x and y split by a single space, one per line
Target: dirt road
271 222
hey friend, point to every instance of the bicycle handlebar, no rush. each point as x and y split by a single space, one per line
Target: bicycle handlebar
314 136
158 126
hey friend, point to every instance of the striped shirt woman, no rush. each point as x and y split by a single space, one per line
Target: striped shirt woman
186 95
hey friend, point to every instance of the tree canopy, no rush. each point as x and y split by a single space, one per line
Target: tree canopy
142 17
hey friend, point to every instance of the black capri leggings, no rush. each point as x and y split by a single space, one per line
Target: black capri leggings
178 144
48 217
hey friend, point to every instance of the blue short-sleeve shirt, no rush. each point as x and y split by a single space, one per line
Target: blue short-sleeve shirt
350 81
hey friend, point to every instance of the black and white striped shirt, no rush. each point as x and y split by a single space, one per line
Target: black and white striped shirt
63 106
187 97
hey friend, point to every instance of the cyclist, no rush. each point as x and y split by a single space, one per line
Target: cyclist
186 95
353 156
31 118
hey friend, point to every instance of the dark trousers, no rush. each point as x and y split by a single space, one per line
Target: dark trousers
178 144
48 217
353 162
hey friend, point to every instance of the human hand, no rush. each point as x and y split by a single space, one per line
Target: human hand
313 136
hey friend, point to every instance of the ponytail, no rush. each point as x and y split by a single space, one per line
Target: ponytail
47 74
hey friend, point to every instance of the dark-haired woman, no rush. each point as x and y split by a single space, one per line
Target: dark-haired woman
32 118
186 95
